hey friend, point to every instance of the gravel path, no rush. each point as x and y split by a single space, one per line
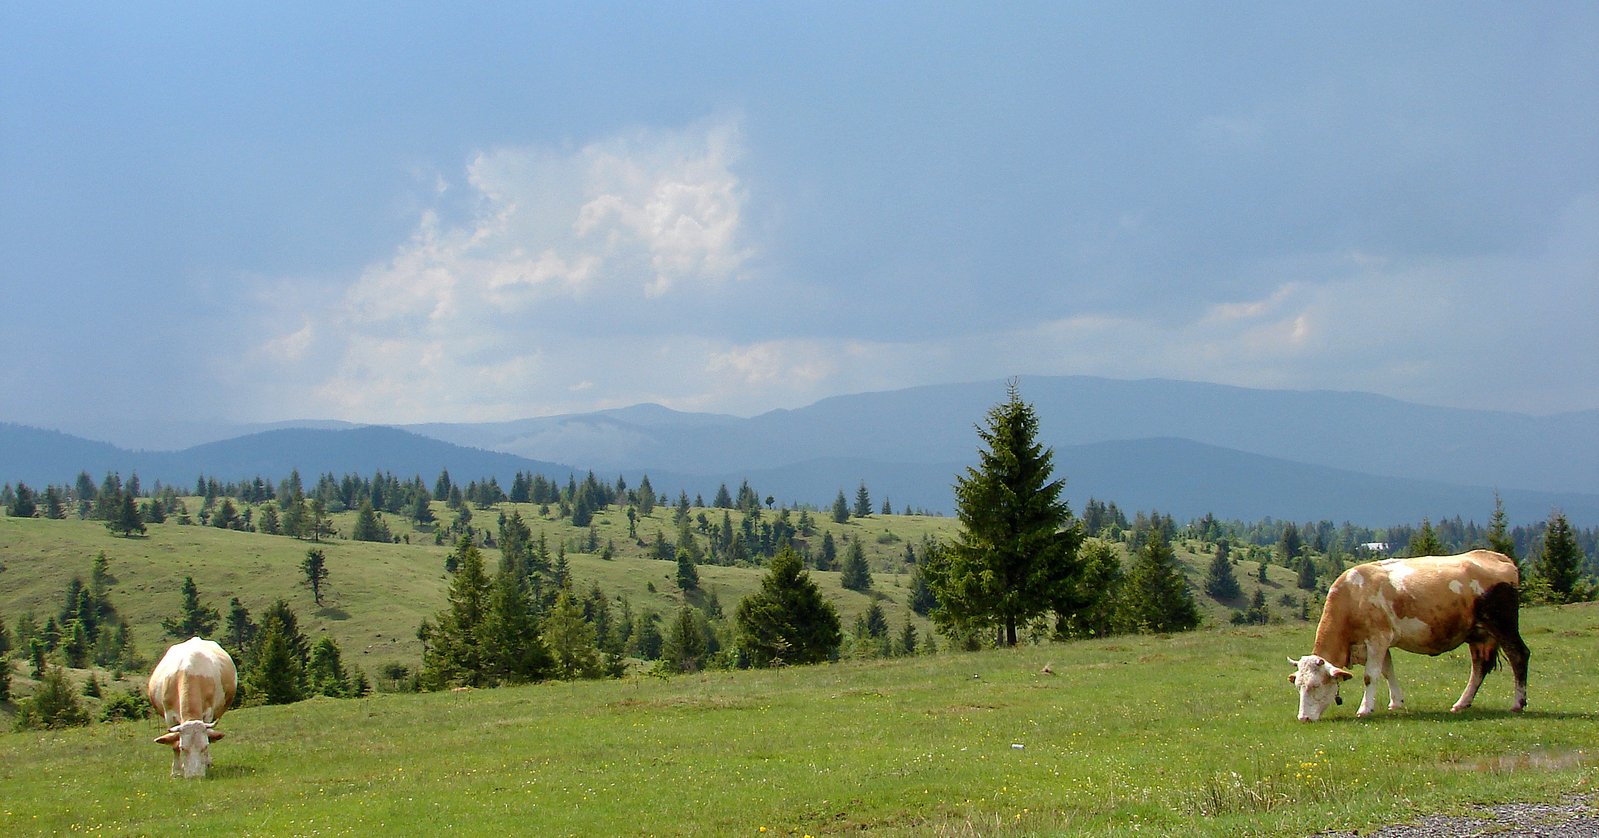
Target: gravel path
1574 817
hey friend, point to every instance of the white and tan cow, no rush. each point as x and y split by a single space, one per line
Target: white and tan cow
191 688
1427 605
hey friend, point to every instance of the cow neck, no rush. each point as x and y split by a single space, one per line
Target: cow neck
1332 639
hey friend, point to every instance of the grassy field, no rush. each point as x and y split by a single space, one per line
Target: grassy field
1165 735
377 594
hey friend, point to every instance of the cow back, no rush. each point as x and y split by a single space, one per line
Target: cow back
196 679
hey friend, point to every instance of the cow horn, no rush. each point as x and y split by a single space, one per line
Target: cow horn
1294 662
174 728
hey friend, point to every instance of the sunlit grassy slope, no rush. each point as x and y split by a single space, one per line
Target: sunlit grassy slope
377 594
1166 735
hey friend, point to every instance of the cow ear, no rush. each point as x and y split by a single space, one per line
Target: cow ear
214 735
1342 674
1293 678
167 739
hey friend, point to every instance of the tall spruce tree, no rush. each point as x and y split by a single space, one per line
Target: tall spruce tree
863 502
1220 581
1157 595
1561 562
787 620
856 575
1425 541
514 650
1015 555
326 675
840 508
194 619
688 578
1499 539
571 640
454 653
125 518
276 674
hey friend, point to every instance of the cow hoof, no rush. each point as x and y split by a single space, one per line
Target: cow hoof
1363 714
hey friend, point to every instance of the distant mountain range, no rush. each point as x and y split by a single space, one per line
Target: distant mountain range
1180 447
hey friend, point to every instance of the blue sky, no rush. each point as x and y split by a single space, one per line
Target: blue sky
460 212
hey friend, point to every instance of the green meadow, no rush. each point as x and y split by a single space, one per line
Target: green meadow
1185 734
1192 733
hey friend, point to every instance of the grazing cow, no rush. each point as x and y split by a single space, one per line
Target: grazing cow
191 688
1427 605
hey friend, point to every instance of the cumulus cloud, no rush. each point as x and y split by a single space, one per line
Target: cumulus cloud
478 316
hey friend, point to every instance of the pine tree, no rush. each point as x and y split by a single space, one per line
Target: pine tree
1158 597
55 507
645 640
276 674
876 620
1015 556
1099 610
1220 582
688 578
194 619
1560 565
646 497
856 575
325 675
1290 544
241 631
513 649
54 704
828 556
863 502
5 677
23 504
684 648
787 621
921 599
840 508
907 639
368 527
454 654
1425 541
315 568
1307 573
571 641
1499 539
125 518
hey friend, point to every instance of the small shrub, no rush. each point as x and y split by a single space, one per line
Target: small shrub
126 706
53 705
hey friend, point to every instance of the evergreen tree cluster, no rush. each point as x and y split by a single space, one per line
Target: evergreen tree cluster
526 622
85 631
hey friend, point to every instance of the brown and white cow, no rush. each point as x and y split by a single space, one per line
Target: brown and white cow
191 688
1427 605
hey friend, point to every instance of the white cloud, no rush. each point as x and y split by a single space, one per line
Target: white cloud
479 317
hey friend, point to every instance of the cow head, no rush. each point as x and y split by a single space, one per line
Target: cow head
1317 681
191 747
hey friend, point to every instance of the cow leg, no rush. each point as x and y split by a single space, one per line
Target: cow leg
1501 611
1396 696
1482 662
1375 655
1519 657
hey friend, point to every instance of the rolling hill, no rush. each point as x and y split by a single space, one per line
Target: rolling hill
1183 447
